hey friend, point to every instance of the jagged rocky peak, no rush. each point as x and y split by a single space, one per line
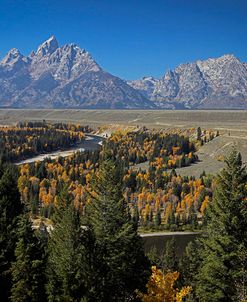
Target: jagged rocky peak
74 47
32 54
64 62
70 61
145 85
212 63
67 76
169 75
73 51
63 76
13 55
213 83
149 78
48 47
228 57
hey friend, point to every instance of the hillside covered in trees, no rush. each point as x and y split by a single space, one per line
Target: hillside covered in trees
90 207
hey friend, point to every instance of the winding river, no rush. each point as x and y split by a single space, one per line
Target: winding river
92 142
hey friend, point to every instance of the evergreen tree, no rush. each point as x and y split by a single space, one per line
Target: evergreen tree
224 264
28 270
189 265
157 220
154 257
10 209
169 259
66 269
166 260
199 133
123 265
192 217
136 216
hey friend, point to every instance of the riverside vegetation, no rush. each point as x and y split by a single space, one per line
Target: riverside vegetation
95 203
28 139
157 198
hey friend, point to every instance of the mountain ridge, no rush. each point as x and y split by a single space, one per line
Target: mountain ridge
215 83
62 77
67 76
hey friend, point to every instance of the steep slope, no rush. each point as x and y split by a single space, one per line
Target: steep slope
213 83
65 76
227 81
14 76
68 77
145 86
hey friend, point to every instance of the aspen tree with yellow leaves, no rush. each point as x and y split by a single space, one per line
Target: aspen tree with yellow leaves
161 288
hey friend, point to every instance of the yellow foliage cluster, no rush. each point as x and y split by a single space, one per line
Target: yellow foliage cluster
165 200
46 188
142 149
161 288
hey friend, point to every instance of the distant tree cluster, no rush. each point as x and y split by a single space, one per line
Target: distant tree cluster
29 139
163 149
41 182
157 198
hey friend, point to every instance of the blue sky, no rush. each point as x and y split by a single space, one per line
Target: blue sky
130 38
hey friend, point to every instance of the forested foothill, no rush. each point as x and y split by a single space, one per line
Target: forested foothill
69 226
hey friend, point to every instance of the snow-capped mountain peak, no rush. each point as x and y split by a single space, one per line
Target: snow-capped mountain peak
12 56
47 47
145 85
63 76
68 76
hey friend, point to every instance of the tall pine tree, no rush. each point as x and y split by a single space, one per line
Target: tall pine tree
189 264
28 270
69 271
10 209
123 265
223 267
169 259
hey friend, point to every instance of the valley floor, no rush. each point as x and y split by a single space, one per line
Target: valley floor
232 125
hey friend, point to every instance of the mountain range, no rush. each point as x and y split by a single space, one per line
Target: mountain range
68 77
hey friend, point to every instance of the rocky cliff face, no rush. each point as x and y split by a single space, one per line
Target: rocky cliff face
65 76
213 83
68 77
145 86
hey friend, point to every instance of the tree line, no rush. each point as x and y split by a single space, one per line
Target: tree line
157 197
32 138
156 200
